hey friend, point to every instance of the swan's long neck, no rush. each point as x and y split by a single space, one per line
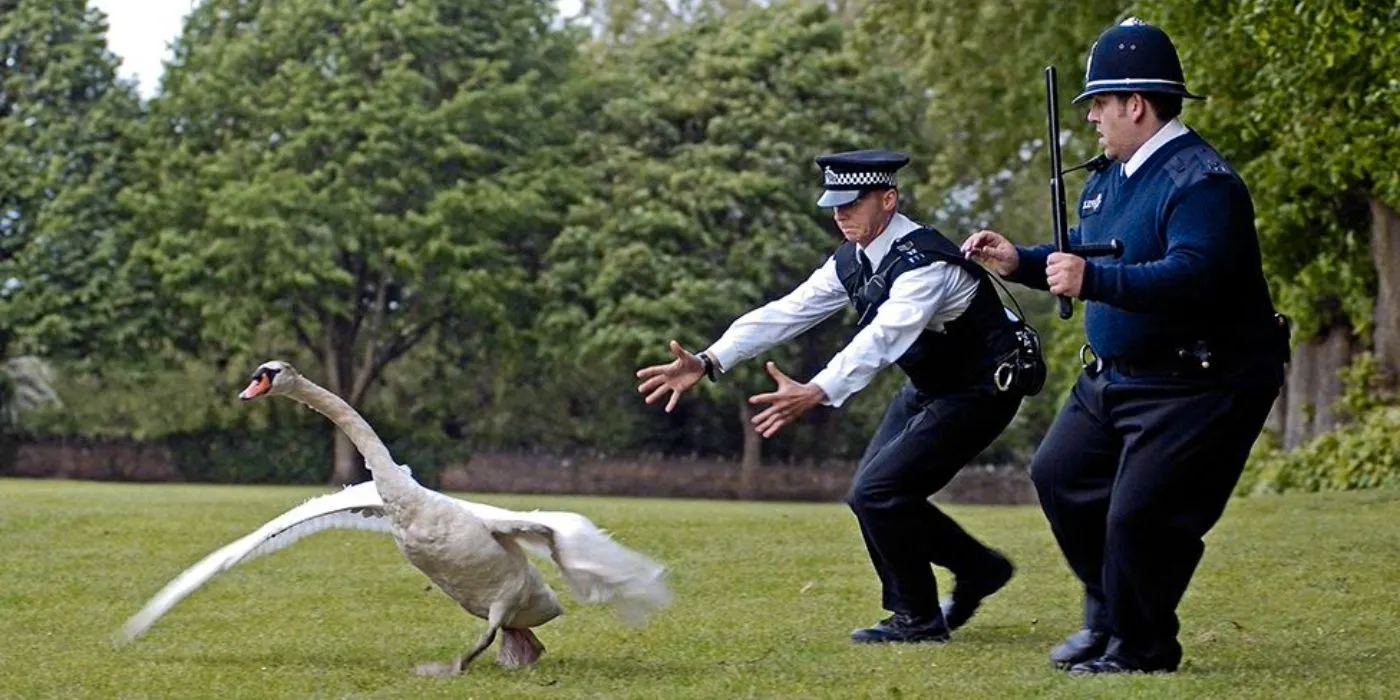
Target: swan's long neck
393 481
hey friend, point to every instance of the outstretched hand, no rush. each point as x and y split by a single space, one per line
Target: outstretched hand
675 377
787 404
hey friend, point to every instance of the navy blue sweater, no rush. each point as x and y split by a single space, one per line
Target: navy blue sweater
1190 269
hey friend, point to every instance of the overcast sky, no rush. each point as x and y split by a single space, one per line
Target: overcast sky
141 31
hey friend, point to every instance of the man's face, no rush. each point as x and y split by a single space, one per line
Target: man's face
862 220
1113 117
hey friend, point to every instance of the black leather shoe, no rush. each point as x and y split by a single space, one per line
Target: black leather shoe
1113 664
1080 647
971 590
901 628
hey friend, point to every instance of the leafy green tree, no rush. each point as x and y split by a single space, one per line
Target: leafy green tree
66 128
1304 97
352 175
627 21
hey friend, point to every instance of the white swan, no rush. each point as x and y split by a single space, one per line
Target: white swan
471 551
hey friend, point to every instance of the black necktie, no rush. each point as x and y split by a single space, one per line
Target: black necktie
864 297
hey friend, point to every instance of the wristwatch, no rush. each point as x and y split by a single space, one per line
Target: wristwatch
709 366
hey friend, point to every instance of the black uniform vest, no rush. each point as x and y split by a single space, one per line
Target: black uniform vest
966 354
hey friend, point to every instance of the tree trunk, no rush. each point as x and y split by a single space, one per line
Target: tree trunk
1314 385
753 452
1305 407
1385 252
349 465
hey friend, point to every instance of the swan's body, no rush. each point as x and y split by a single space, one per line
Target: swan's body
475 553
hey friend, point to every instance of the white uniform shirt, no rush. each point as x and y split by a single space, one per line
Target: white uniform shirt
1169 131
925 297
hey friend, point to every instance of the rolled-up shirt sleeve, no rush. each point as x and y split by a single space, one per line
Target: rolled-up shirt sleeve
918 298
778 321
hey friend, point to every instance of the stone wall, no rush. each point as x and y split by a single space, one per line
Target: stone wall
101 460
118 460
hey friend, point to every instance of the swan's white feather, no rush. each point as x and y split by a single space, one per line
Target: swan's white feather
357 507
597 568
340 520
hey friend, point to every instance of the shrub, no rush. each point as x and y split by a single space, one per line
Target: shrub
1362 453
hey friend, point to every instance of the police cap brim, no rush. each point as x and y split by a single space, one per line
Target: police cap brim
1126 86
838 198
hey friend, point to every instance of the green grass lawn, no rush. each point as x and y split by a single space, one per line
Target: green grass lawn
1296 597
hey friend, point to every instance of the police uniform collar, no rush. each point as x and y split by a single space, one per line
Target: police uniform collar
1169 131
899 226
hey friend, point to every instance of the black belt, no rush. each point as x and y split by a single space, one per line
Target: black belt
1195 360
1199 357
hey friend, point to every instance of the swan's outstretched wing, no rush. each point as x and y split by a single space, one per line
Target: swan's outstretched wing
598 569
358 507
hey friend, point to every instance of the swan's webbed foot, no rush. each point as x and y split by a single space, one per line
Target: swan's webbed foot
519 648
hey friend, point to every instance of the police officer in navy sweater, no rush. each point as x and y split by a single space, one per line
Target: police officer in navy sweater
924 307
1188 357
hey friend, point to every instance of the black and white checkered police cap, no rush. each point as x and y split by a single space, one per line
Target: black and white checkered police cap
847 175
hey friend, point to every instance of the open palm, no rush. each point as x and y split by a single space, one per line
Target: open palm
675 377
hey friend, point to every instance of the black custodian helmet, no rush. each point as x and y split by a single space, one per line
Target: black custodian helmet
1134 57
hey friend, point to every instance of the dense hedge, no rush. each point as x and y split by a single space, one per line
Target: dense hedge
286 452
1362 453
295 454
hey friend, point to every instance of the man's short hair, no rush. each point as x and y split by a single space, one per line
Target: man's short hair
1166 106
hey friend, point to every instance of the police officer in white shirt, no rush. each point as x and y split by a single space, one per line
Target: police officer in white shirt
922 306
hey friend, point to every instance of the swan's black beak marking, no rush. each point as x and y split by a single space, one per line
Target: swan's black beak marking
259 384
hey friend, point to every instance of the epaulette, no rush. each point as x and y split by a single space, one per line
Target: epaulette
1193 164
1217 166
909 250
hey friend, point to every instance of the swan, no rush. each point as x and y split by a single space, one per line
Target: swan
473 552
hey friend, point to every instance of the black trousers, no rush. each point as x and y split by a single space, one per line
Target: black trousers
920 445
1131 475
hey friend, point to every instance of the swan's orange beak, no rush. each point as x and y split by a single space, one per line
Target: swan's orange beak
256 388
